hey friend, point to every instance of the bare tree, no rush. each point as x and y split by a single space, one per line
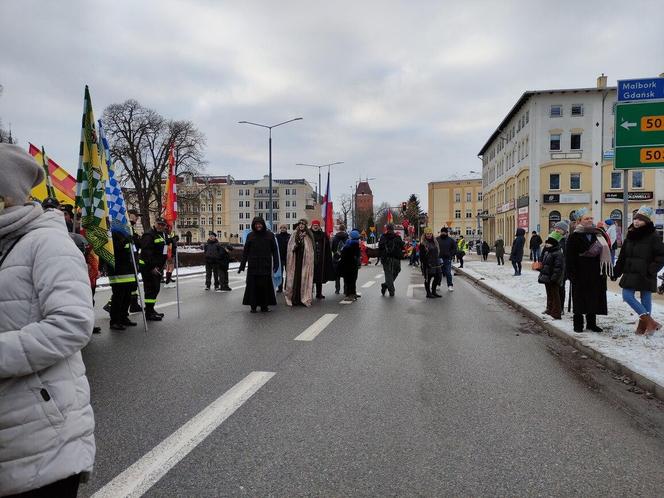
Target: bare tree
5 135
345 206
140 139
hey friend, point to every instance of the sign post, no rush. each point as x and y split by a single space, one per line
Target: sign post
639 129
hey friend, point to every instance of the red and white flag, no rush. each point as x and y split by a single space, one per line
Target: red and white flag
171 200
328 211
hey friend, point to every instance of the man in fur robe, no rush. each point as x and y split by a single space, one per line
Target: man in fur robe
299 280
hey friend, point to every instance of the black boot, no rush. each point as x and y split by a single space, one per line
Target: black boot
433 291
591 322
578 322
427 287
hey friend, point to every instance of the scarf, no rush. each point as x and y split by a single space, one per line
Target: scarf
599 248
16 217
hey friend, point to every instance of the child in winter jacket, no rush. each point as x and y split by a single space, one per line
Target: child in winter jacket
551 274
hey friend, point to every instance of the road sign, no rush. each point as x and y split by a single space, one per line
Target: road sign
641 89
639 135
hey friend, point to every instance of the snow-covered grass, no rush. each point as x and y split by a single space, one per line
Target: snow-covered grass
643 355
188 270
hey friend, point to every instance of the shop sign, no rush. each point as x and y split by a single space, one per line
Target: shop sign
575 198
551 198
522 218
631 196
508 206
523 201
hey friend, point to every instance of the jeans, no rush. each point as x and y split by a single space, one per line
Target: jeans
447 270
645 306
536 254
517 267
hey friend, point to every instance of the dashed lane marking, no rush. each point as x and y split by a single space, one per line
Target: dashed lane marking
147 471
368 284
316 328
412 287
380 275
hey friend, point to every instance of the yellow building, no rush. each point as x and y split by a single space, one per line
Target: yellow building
455 204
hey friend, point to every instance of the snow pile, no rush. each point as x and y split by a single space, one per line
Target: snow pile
644 355
183 272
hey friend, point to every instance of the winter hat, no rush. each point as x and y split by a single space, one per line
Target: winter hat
428 230
562 225
579 213
354 234
19 173
315 222
443 230
212 234
609 222
557 236
645 213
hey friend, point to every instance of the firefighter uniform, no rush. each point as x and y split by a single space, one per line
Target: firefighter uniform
153 257
122 280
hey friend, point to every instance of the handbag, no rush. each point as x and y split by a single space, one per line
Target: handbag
537 265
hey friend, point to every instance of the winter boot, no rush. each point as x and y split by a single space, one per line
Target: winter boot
433 291
427 287
591 323
578 322
651 325
642 324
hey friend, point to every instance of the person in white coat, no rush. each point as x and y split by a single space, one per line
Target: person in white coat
612 232
46 422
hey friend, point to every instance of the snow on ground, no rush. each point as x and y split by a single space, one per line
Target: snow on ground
644 355
187 270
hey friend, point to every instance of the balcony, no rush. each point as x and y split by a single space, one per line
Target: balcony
265 195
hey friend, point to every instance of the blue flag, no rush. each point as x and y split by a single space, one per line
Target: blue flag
117 211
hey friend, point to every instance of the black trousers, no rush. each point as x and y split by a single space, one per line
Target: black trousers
65 488
120 301
151 284
212 267
319 289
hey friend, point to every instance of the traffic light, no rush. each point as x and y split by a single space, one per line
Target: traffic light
404 206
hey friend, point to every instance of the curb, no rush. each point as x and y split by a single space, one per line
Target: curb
640 380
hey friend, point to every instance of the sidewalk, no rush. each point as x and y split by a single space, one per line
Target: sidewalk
617 347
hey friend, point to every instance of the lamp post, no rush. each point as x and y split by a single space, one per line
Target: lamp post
480 232
270 154
320 166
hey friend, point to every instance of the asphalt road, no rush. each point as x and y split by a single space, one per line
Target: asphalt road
402 396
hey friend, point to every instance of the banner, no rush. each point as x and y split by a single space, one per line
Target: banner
63 183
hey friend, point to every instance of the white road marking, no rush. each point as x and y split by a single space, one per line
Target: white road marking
316 328
379 276
411 287
344 301
368 284
143 474
239 287
163 305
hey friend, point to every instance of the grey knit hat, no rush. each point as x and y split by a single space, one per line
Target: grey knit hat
19 173
562 225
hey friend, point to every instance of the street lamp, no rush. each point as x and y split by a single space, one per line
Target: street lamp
319 166
270 154
480 232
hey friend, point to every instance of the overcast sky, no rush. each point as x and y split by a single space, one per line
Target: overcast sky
403 91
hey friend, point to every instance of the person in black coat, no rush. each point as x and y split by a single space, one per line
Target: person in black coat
338 243
212 251
323 267
551 274
282 241
447 248
261 255
431 263
122 279
516 254
587 263
640 259
349 264
486 249
535 245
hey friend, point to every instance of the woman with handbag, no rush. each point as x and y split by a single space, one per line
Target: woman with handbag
431 263
640 259
587 262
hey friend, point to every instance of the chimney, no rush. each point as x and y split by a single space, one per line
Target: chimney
601 81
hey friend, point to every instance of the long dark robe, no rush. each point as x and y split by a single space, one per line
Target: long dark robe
588 282
261 255
323 267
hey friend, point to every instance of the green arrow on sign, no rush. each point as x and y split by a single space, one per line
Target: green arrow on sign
627 125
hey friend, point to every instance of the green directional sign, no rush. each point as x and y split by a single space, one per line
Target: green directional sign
639 133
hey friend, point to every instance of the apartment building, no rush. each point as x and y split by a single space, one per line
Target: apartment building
553 154
203 207
455 204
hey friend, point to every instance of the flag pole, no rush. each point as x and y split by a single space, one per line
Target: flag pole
50 191
177 270
138 284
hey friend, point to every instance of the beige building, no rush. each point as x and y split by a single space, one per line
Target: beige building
455 204
292 199
203 207
553 154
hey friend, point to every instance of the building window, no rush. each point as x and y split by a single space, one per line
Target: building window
210 221
577 109
575 181
219 220
294 204
575 141
241 216
202 220
457 197
287 215
479 196
556 111
218 207
240 204
469 231
241 192
457 213
469 197
637 179
287 204
527 116
469 213
554 141
259 191
554 181
616 179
